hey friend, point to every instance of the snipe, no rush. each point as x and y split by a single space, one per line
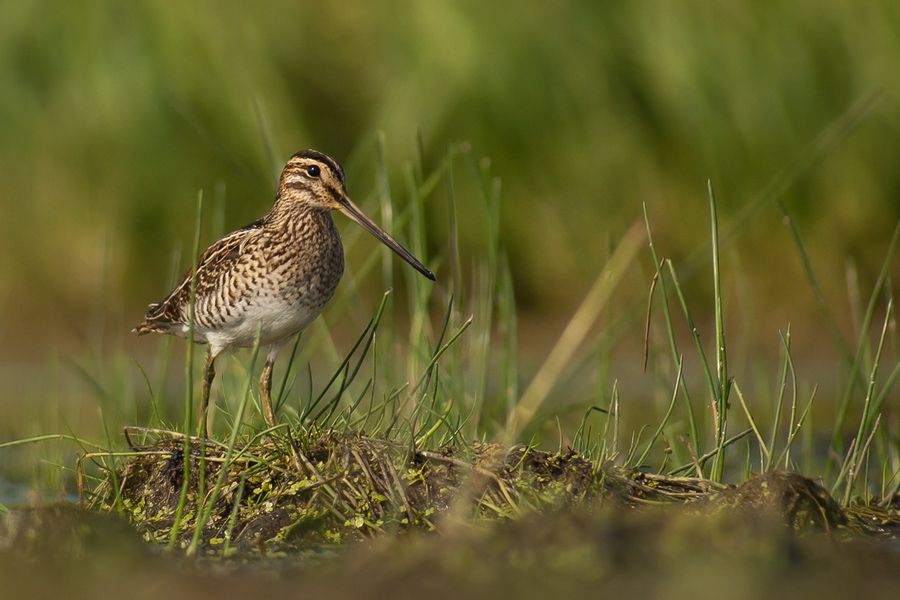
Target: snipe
271 278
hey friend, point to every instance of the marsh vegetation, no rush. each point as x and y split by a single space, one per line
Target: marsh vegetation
661 354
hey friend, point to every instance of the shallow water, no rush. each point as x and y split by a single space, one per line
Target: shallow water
12 493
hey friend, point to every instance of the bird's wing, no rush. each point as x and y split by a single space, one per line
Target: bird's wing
218 258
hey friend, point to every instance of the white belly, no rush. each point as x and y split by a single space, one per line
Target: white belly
273 320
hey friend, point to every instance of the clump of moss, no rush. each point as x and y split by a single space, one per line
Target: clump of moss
324 488
328 488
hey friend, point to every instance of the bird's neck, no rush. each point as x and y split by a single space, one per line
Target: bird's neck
299 220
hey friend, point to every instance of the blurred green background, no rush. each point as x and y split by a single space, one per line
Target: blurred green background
114 115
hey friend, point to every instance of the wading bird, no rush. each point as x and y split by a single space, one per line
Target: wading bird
272 278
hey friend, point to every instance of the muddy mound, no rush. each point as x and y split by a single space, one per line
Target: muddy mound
328 488
331 488
799 500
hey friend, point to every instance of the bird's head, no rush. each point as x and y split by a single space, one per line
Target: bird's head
312 179
315 180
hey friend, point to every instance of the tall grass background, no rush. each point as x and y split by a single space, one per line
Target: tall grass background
770 298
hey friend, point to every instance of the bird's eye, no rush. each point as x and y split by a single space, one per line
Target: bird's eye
313 171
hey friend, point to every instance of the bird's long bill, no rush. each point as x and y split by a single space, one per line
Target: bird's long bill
352 211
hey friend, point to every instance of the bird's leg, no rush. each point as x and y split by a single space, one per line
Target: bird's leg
265 388
209 374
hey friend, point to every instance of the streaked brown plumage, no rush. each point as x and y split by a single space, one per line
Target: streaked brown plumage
271 278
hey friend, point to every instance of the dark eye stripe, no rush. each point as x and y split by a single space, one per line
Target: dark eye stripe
335 195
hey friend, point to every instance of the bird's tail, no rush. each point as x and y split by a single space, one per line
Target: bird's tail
144 327
154 321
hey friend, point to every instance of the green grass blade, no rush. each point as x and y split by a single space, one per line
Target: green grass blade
189 378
